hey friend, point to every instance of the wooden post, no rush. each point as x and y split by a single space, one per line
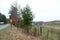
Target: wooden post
52 31
47 33
11 23
35 31
41 31
41 25
11 26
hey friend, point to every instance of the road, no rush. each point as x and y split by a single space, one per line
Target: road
3 26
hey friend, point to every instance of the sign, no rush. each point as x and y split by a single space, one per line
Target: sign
14 21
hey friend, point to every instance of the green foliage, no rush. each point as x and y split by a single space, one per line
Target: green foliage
3 18
22 24
27 17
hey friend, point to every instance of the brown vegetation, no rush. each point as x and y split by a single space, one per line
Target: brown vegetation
20 35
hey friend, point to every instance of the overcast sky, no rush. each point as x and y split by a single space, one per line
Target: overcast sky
44 10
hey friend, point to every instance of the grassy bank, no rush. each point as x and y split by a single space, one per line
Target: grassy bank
5 34
14 34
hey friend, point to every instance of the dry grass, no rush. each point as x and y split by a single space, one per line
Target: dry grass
14 34
20 35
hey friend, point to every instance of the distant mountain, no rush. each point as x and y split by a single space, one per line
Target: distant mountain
55 22
38 23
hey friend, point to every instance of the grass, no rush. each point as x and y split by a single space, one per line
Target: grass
52 33
47 30
5 34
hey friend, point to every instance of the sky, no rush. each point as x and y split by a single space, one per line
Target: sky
43 10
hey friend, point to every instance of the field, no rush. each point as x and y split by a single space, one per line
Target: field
53 32
49 32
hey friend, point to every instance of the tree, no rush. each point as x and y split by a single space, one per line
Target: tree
3 18
0 17
27 17
13 12
14 16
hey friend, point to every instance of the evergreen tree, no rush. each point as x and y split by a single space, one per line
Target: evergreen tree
27 18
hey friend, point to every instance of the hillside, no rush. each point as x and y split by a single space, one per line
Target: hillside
20 35
53 23
14 34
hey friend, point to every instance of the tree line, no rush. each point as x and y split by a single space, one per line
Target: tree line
25 15
3 18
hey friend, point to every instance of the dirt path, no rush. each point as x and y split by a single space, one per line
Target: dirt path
19 35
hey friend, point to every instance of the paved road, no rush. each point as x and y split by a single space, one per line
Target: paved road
3 26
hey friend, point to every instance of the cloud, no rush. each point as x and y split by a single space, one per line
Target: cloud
44 10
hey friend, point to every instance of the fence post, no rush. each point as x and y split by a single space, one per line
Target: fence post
35 31
11 26
47 33
52 34
41 31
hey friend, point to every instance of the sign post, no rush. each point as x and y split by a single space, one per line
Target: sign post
11 23
41 25
14 22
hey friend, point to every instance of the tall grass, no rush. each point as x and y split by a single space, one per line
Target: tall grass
50 32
